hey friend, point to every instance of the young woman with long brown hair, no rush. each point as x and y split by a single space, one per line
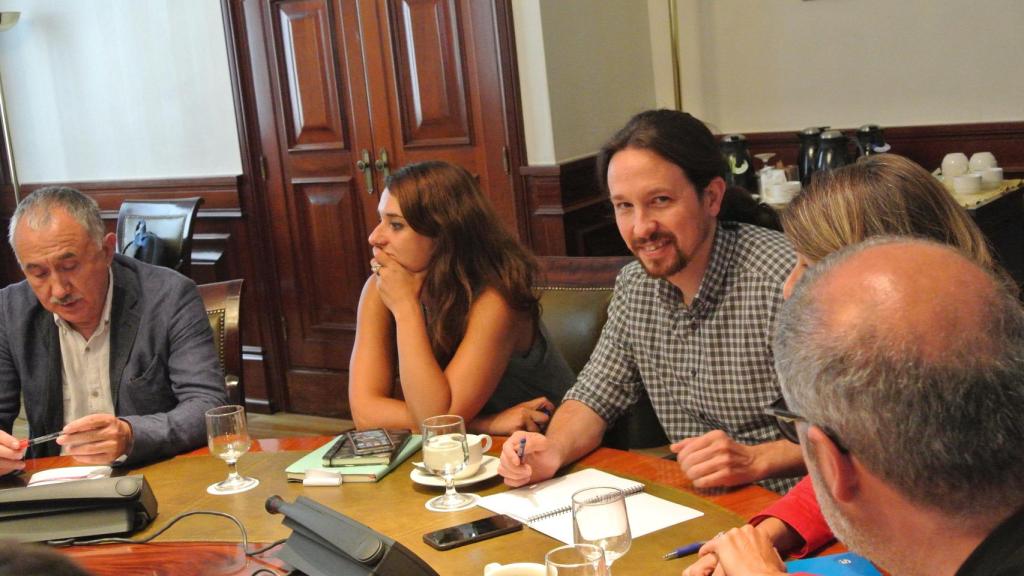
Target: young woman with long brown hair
450 308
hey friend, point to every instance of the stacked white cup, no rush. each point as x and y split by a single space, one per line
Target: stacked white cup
971 176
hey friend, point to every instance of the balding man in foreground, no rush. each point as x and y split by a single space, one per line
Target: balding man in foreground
902 364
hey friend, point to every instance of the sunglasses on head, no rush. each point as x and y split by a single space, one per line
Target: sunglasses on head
786 421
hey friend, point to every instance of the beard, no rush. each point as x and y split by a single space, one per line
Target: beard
676 262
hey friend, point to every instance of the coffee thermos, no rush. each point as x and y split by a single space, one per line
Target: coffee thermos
870 140
810 138
833 151
740 170
824 149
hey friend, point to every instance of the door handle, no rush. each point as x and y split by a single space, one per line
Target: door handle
382 164
366 168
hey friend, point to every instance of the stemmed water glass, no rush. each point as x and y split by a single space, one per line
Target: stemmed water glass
229 438
575 560
599 518
762 175
445 454
765 157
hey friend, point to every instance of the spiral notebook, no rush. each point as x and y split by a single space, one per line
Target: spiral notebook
547 506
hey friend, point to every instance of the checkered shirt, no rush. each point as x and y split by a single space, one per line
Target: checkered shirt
707 366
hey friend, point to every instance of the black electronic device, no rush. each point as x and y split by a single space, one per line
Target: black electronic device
373 441
76 509
482 529
326 543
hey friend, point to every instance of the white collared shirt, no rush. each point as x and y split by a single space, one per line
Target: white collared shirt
85 374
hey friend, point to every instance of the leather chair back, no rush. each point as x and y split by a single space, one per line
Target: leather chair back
575 293
171 220
223 301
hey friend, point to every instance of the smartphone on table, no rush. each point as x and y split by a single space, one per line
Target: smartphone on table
374 441
482 529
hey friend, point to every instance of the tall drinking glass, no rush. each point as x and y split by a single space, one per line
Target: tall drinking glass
445 453
599 518
575 560
229 438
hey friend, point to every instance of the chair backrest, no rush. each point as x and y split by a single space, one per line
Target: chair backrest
171 220
575 293
574 306
223 301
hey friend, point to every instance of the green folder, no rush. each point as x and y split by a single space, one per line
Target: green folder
372 473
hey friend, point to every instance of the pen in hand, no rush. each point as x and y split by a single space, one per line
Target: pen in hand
684 551
522 450
40 439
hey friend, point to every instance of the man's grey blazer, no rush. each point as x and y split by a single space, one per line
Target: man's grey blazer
164 371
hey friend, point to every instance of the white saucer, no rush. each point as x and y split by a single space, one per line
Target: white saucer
488 469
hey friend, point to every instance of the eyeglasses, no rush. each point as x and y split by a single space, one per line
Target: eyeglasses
786 420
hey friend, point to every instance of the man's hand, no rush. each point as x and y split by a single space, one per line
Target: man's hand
12 455
532 416
742 551
540 460
715 460
96 438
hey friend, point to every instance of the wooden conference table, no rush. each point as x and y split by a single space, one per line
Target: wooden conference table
394 507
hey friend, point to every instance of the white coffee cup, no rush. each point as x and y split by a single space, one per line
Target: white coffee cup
954 164
782 193
991 177
516 569
981 161
478 444
967 183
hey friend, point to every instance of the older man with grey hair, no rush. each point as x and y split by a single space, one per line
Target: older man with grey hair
902 364
113 354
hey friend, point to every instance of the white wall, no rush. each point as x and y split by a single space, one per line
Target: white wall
589 63
783 64
118 89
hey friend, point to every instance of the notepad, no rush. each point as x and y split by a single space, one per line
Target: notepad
371 473
547 506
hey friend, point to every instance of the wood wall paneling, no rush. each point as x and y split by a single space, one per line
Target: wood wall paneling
569 213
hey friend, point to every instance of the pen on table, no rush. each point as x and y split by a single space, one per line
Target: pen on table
40 439
684 551
522 449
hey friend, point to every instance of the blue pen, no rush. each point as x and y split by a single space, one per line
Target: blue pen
684 551
522 449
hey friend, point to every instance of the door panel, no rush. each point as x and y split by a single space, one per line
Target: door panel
431 90
309 95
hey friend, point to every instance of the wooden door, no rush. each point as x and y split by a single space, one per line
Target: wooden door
436 65
347 83
315 128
